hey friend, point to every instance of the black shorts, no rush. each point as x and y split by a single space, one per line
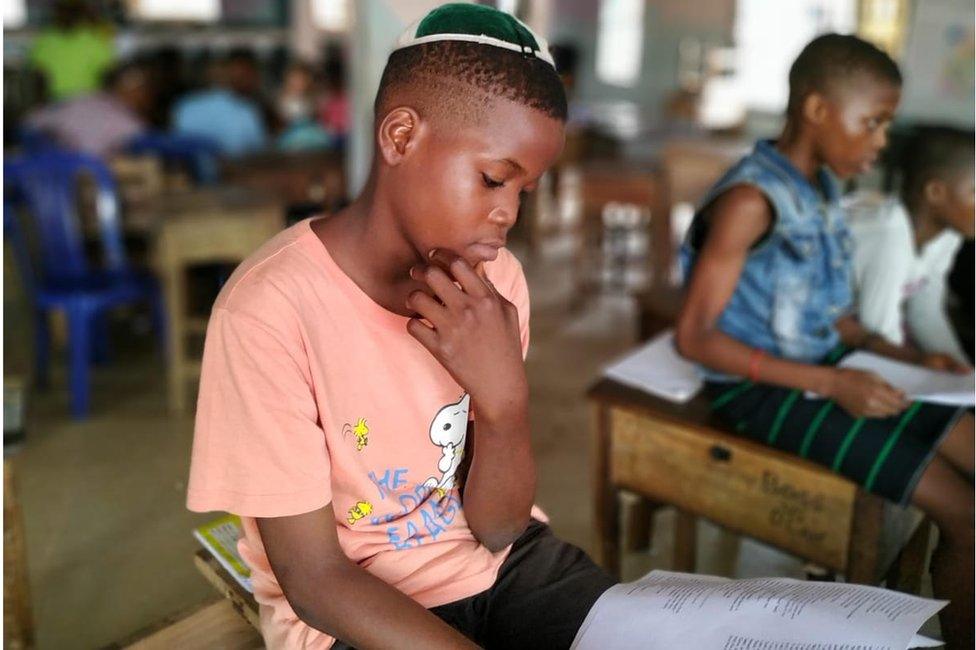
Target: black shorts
544 590
884 456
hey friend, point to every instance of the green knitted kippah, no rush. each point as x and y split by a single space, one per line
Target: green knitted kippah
459 21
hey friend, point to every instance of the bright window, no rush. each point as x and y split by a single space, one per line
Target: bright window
768 37
14 14
508 6
193 10
620 42
330 15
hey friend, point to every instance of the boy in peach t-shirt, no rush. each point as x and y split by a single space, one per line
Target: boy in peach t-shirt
363 402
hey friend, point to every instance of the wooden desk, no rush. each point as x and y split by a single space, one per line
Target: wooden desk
297 177
203 227
604 182
677 455
18 620
691 166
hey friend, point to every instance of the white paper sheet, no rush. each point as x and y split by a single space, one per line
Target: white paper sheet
920 641
666 610
658 369
918 383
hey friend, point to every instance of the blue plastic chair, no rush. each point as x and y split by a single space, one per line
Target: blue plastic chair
57 273
197 154
34 140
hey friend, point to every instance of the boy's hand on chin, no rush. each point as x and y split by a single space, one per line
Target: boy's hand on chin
473 333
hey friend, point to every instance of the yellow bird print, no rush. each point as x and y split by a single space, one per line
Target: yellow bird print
358 511
361 431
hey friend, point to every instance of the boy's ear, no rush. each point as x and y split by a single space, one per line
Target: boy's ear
935 191
815 108
398 133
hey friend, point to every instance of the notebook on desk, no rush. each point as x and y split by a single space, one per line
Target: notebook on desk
658 369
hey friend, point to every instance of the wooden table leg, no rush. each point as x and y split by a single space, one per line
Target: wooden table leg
909 567
175 291
606 508
18 626
685 541
863 552
640 524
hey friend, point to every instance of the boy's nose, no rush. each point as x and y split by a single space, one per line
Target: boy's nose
504 216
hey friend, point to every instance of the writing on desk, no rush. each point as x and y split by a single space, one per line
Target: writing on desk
792 512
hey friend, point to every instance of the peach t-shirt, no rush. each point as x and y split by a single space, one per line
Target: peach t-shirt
312 393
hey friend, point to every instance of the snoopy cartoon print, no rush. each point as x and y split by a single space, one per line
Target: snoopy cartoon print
448 430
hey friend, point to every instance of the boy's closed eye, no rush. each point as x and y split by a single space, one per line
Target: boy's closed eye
493 184
490 182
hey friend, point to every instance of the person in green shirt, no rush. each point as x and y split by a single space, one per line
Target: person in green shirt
74 52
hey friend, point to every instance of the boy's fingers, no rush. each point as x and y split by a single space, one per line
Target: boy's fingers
442 286
417 274
424 334
442 258
427 307
461 271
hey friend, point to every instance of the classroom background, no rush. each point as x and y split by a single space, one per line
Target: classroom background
202 127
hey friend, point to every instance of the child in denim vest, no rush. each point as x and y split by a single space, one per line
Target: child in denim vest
768 313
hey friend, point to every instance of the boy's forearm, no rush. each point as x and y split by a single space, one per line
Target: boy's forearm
360 609
500 485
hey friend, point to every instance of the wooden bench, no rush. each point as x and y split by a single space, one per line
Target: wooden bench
676 455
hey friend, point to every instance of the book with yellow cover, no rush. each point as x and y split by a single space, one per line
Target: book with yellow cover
220 538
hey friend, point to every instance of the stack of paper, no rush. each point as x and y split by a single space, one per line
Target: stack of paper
666 610
916 382
657 368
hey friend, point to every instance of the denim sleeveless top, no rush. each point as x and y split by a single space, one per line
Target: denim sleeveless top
796 283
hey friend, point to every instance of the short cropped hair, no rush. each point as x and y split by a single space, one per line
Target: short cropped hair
934 153
833 58
458 79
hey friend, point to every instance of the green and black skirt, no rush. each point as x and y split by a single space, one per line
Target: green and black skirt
885 456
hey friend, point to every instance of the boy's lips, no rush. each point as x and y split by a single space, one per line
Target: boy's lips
487 250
